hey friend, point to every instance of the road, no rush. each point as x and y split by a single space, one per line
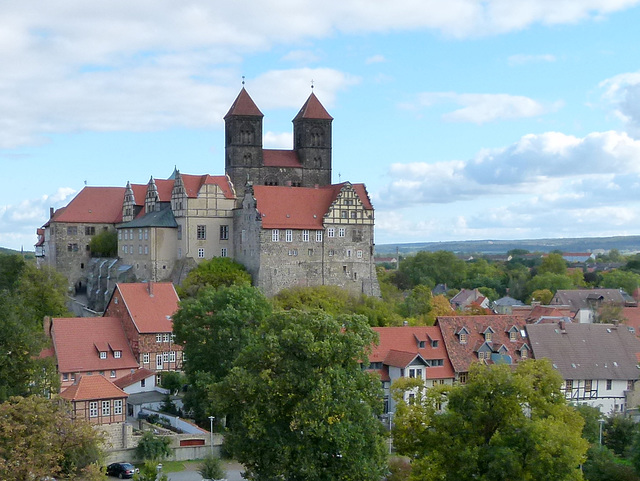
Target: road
234 471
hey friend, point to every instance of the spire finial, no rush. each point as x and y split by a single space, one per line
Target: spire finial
312 84
243 80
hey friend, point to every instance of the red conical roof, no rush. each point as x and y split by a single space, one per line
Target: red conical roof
244 105
313 109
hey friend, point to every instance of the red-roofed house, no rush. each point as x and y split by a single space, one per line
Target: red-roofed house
496 339
145 310
64 240
90 346
415 352
96 399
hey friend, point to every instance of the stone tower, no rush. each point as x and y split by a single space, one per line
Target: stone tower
243 141
312 142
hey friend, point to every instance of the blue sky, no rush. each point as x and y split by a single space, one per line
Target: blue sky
466 119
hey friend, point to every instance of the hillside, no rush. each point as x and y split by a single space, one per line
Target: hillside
625 244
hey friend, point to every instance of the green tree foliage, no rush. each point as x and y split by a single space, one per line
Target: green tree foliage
214 327
549 281
618 434
211 468
501 425
440 306
149 472
543 296
334 301
433 268
591 417
216 272
40 437
301 406
153 448
41 292
173 381
104 244
553 264
418 303
609 312
619 279
10 268
603 465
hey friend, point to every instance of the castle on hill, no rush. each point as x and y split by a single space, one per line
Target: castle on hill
274 211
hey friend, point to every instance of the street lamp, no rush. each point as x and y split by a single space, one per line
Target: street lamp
211 418
390 441
601 421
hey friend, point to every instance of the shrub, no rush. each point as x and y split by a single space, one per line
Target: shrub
211 468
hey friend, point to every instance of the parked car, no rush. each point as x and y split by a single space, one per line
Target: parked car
121 470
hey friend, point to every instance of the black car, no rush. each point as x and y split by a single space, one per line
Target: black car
121 470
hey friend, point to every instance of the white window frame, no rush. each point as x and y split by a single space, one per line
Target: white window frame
93 409
165 357
200 252
288 235
158 337
359 253
319 236
103 354
275 235
117 406
223 252
106 408
166 337
342 232
145 358
305 235
112 373
201 232
159 364
172 356
117 354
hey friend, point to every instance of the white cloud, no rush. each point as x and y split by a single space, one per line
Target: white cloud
522 59
623 92
483 108
544 163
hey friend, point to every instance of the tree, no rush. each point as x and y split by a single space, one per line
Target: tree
553 264
602 465
501 425
211 468
41 292
591 416
432 268
39 437
618 434
104 244
149 472
550 281
173 381
609 312
152 447
440 306
300 405
214 327
619 279
216 272
10 268
418 302
543 296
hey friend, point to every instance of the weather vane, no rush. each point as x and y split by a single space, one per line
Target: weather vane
243 80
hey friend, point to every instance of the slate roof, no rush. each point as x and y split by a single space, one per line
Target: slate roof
134 377
313 109
463 355
93 205
300 207
151 312
508 301
77 339
587 351
398 346
88 388
157 218
585 298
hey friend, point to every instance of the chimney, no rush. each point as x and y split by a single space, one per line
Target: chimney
562 328
46 323
51 211
150 288
288 183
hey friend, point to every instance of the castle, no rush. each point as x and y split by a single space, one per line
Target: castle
275 211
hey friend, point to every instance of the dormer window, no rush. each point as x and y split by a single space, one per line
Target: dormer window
103 354
463 338
487 336
117 354
513 336
434 343
422 344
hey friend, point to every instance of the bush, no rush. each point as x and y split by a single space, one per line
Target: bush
152 447
211 468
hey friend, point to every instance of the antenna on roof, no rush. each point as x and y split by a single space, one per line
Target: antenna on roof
243 80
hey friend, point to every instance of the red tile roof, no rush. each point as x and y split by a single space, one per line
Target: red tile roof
632 318
193 184
164 189
134 377
280 158
462 355
299 207
92 387
244 105
313 109
398 346
75 340
96 205
151 313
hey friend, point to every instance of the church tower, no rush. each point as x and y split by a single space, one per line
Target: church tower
243 141
312 142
